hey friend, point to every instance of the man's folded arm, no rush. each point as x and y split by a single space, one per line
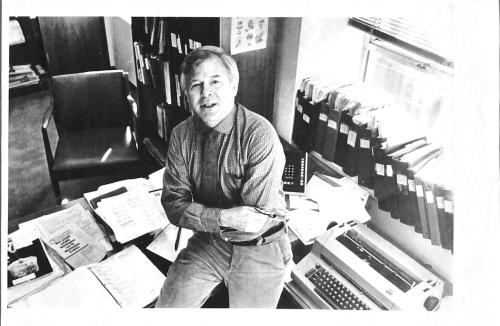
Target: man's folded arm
177 196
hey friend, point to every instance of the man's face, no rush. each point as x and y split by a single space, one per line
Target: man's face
210 92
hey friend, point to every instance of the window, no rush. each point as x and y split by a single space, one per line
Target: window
415 66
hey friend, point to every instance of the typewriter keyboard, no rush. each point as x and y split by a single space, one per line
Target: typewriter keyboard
333 291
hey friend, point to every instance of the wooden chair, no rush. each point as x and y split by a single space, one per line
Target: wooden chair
97 122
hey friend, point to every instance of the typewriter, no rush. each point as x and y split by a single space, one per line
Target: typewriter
350 267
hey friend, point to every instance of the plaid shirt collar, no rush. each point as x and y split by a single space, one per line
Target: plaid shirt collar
225 126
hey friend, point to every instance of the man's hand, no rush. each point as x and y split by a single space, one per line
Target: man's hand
243 218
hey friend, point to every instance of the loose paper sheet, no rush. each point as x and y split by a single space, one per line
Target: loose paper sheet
164 244
308 224
130 277
78 289
156 179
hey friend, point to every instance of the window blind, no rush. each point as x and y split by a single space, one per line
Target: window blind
430 38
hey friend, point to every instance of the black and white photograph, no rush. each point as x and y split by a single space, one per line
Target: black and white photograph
250 162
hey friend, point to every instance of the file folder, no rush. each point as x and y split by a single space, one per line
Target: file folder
384 179
400 166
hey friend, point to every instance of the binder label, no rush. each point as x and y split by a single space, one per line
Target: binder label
379 168
185 48
306 118
332 124
402 179
364 143
299 107
388 170
411 185
351 138
191 44
448 206
429 198
323 117
440 202
173 40
420 190
344 128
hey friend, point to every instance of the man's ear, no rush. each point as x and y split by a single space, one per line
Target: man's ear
235 88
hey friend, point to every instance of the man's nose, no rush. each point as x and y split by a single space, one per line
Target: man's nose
205 90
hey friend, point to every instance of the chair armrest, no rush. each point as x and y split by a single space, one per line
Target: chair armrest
46 143
47 115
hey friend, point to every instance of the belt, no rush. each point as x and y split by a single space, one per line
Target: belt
264 238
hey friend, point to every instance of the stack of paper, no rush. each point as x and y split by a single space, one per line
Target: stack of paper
131 214
334 204
73 234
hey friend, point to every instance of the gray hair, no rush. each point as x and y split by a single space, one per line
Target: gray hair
195 58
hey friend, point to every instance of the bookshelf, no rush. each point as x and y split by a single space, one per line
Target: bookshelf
160 46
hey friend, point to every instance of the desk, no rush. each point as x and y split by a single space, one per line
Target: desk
219 297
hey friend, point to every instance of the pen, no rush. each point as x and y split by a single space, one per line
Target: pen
177 239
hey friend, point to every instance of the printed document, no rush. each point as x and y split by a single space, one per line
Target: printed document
131 214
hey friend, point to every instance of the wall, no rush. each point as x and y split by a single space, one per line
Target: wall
119 36
287 53
325 45
257 70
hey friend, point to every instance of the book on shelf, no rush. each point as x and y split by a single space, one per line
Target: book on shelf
127 279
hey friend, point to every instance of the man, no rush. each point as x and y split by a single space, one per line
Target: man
223 163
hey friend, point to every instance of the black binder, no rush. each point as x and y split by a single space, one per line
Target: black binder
341 147
314 112
444 226
384 179
448 208
401 166
366 162
298 123
353 142
322 125
332 128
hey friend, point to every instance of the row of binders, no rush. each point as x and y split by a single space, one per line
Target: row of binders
362 132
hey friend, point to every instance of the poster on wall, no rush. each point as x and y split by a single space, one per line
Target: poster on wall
248 34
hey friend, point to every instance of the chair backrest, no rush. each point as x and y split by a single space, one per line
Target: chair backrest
90 100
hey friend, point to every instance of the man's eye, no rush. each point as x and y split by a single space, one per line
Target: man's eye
215 82
195 85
